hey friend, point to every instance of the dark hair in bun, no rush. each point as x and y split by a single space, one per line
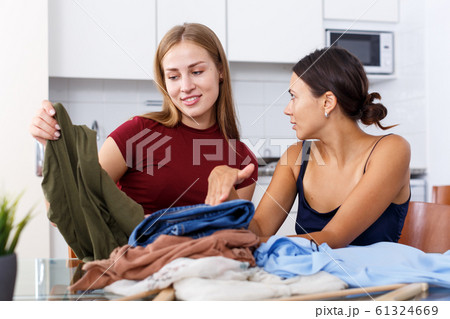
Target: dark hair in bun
337 70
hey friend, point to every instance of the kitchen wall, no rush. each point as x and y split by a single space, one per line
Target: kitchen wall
437 54
109 102
405 96
23 85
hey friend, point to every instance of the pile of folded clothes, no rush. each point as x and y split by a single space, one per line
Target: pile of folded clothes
205 252
220 278
232 264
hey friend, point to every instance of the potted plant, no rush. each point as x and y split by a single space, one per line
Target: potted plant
9 236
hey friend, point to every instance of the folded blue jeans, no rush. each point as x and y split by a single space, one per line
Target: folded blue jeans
194 221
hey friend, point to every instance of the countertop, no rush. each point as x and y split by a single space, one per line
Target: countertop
267 167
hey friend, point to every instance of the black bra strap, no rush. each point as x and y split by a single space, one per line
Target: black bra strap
365 165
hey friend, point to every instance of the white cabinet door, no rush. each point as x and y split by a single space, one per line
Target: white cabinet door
207 12
273 31
361 10
112 39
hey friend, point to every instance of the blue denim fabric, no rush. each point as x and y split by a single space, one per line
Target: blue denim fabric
193 221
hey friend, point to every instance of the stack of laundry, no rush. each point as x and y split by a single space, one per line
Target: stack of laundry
219 278
204 251
228 262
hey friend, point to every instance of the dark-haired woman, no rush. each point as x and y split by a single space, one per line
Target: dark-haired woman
354 189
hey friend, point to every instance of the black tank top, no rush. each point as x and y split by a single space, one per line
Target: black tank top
387 227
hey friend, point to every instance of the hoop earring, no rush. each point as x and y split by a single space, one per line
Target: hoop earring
326 114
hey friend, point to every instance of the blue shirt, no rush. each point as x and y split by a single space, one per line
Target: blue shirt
359 266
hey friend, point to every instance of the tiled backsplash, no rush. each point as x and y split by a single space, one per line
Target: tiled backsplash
109 102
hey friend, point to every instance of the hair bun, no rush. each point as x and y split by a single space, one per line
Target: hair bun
373 113
370 97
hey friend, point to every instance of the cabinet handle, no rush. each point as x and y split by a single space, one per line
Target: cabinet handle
153 102
39 158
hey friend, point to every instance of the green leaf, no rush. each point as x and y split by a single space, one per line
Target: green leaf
9 237
19 229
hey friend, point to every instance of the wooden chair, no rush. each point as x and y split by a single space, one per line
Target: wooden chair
73 260
441 195
427 227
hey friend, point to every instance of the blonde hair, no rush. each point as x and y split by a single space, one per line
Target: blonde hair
204 37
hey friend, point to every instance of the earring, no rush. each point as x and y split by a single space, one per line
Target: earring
326 114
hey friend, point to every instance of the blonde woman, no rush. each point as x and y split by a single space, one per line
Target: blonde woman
164 158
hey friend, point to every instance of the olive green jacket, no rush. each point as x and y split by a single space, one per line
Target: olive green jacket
93 215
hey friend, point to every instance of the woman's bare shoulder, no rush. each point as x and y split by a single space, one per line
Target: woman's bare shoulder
392 149
394 143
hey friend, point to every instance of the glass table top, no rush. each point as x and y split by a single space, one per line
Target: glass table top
49 279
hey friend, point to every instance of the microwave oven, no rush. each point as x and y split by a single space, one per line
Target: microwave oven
375 49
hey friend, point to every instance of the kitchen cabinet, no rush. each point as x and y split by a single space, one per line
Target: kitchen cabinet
280 31
361 10
175 12
109 39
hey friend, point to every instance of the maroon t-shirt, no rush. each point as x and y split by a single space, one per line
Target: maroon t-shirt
170 166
